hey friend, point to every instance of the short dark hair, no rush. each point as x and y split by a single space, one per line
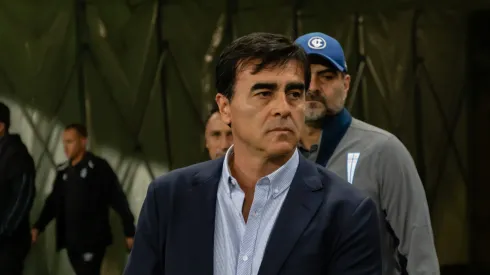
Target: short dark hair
270 49
79 128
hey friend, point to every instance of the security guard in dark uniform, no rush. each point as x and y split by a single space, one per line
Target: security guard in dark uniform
84 189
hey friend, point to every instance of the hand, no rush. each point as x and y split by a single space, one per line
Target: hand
129 242
34 235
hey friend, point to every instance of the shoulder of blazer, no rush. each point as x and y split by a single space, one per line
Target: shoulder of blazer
187 176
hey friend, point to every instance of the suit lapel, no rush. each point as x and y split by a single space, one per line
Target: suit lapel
198 241
300 205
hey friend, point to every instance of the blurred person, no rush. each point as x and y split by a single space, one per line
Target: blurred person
263 208
369 158
17 192
84 189
217 135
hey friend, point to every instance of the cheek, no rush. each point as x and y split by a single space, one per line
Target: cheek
334 93
248 127
340 93
249 119
299 119
211 142
212 149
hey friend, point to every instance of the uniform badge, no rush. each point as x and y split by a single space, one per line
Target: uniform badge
87 257
65 176
352 159
83 173
90 164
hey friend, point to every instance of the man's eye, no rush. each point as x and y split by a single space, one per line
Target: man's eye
264 94
295 95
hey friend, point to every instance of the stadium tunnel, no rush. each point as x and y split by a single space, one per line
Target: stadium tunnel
139 73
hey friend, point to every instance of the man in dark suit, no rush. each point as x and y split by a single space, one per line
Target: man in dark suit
262 209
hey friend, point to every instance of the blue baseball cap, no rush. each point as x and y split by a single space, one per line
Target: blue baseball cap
317 43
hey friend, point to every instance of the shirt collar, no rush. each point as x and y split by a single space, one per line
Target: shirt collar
279 180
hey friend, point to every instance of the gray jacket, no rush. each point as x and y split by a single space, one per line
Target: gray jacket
378 163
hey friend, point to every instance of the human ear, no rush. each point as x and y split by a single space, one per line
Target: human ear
224 108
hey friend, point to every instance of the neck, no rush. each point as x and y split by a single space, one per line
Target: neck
77 159
247 168
310 134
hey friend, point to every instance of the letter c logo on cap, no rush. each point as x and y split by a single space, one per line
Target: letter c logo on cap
317 43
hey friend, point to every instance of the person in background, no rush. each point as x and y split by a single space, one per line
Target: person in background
84 189
369 158
217 134
17 192
263 208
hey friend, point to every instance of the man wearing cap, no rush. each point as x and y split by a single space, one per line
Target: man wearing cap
369 158
17 191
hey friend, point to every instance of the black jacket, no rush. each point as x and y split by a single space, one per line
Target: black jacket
17 188
80 201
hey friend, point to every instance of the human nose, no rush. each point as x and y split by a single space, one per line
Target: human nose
281 105
313 84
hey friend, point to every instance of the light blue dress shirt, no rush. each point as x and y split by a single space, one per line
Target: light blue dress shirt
239 246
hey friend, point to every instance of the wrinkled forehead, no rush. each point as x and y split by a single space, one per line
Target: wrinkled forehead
256 69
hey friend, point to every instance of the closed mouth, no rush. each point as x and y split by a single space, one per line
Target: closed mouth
281 130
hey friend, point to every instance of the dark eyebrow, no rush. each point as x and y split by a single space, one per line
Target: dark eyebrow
264 86
295 86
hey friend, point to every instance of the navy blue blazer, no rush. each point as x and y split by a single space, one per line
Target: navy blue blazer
325 226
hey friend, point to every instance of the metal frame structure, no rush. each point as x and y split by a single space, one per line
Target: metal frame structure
162 46
477 186
417 93
83 49
422 76
364 66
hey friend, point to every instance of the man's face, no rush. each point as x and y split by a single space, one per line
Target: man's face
327 92
267 109
218 136
73 143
